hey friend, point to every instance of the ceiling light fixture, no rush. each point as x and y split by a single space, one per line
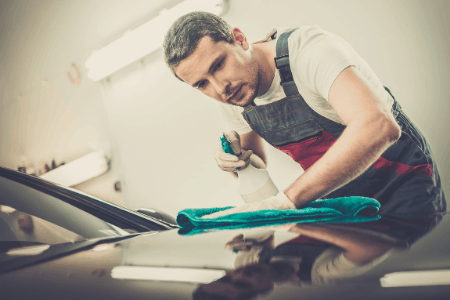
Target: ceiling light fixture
416 278
167 274
137 43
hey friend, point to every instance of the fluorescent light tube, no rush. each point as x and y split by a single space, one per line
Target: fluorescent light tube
26 251
416 278
79 170
7 209
145 39
167 274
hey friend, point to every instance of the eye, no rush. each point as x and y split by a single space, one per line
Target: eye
202 84
218 65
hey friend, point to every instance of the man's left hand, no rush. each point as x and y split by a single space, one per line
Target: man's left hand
279 201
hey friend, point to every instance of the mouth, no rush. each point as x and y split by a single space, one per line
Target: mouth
233 96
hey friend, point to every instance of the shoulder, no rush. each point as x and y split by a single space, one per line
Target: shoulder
303 34
312 48
317 57
307 36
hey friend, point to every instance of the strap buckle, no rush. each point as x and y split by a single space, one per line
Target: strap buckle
282 64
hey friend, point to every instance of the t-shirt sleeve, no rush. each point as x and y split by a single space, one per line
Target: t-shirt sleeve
318 58
233 119
332 265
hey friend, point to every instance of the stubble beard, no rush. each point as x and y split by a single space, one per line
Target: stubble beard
254 92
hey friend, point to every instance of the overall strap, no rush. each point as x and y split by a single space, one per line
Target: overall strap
282 64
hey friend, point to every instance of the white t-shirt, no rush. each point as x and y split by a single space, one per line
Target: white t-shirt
316 58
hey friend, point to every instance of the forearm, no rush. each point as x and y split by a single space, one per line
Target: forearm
359 146
345 236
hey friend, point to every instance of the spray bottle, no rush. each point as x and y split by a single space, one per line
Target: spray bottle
254 184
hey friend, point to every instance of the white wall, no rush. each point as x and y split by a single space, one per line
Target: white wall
54 118
161 131
165 130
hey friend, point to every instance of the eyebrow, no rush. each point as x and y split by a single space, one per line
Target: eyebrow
215 62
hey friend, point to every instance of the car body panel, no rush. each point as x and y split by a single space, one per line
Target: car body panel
119 267
87 274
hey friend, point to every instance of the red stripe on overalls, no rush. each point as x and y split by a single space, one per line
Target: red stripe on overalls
307 152
402 169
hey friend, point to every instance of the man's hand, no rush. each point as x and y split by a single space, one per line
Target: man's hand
279 201
229 162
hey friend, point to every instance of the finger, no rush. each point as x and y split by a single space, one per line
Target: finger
227 157
232 169
239 246
229 169
246 164
237 239
245 155
219 154
240 236
235 141
232 165
232 135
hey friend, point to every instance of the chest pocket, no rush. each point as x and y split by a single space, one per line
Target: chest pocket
283 122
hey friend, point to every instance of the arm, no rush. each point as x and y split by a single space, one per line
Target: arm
360 246
371 129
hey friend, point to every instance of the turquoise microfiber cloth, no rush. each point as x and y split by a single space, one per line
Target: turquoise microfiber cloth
336 210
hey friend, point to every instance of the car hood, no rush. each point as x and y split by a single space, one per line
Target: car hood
168 265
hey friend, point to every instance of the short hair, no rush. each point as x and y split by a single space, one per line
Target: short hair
185 33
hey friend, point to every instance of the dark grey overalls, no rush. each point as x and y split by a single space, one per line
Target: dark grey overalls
404 179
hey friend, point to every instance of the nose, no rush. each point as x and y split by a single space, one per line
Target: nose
220 85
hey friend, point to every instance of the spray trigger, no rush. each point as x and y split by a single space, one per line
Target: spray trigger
226 145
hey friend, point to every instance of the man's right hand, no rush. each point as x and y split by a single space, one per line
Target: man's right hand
229 162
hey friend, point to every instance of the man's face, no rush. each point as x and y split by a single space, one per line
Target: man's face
223 71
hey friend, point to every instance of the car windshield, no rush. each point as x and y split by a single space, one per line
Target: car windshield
30 219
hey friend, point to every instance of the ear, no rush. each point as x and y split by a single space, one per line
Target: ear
239 38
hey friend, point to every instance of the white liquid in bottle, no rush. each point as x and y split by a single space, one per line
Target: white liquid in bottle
253 184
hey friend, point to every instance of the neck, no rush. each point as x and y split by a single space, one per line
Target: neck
264 55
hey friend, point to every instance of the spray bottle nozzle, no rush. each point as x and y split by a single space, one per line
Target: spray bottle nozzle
226 145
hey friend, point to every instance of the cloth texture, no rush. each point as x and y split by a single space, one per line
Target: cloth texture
339 210
316 57
279 202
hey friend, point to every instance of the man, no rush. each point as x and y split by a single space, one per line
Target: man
320 254
331 113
